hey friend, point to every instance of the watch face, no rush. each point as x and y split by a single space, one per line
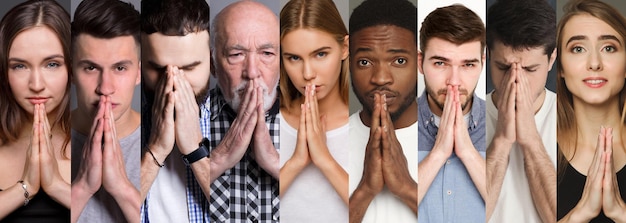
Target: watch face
205 142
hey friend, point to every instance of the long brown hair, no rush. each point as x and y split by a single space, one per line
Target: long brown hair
314 14
567 127
24 16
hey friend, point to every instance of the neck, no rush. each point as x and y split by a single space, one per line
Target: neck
590 118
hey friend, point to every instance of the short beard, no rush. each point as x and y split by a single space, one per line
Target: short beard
433 95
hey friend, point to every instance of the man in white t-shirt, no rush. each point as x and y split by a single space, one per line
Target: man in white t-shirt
521 113
383 136
176 65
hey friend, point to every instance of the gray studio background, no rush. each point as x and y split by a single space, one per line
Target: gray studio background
136 103
551 82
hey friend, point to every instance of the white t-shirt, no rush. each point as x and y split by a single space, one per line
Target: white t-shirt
515 203
311 197
167 200
385 207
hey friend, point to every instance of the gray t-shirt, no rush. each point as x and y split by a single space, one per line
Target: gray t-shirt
102 207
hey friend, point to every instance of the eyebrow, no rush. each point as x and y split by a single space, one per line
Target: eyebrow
602 37
44 59
240 47
439 58
312 52
471 60
123 62
448 60
610 37
363 49
90 63
397 51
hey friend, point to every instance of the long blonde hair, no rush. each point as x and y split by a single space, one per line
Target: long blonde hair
567 127
315 14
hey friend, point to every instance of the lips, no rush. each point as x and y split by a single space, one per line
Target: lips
113 105
317 87
390 95
595 82
37 100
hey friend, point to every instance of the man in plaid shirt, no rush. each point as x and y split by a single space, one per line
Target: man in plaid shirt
244 128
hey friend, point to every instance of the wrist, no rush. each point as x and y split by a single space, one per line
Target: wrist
530 141
579 214
617 213
323 160
80 192
438 155
190 145
297 163
121 190
160 154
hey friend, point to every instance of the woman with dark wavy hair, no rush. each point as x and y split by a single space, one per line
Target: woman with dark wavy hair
34 113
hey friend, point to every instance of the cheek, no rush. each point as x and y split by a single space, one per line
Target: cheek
151 78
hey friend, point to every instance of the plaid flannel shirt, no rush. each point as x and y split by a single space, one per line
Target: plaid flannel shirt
244 193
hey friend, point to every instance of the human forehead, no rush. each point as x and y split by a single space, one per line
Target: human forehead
176 50
106 51
382 37
507 55
589 27
441 49
292 41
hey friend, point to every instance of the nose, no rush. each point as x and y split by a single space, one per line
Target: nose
106 85
454 78
36 82
307 72
251 67
594 61
382 75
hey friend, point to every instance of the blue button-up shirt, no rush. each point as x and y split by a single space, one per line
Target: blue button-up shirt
452 196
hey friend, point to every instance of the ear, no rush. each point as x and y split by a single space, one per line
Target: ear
420 62
212 64
483 59
345 51
138 80
552 59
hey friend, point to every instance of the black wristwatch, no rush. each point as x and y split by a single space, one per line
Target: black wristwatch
201 152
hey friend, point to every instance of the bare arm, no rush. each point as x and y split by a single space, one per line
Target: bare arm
149 172
12 198
541 174
359 201
497 163
337 177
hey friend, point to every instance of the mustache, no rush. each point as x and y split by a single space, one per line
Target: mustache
241 88
382 90
462 91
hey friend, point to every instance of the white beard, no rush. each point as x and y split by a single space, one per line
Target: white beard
268 98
